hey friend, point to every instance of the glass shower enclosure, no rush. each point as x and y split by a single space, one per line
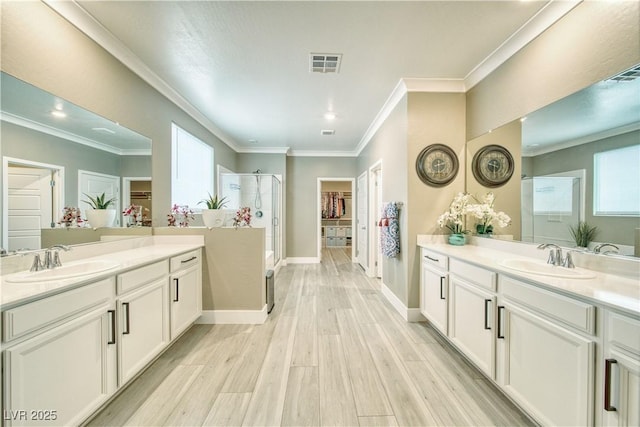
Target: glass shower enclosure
263 194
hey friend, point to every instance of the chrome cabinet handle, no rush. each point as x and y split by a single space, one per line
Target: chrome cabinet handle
442 287
125 307
608 363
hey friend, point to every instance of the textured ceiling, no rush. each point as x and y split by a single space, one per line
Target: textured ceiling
245 65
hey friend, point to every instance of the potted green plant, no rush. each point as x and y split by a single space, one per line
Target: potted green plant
214 215
583 234
99 214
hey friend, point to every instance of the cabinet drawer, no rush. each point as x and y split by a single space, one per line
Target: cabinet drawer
578 314
624 332
473 274
49 311
185 260
330 231
435 259
140 276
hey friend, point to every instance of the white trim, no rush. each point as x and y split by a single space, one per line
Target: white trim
408 314
435 85
536 25
58 202
80 18
233 317
126 193
264 150
320 180
62 134
372 269
310 153
302 260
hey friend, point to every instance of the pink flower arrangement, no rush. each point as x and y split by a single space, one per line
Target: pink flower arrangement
180 215
136 213
243 218
70 215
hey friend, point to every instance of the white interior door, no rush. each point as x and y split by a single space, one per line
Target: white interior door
29 207
362 250
94 184
378 204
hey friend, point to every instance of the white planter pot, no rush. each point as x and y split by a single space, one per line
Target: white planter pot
213 217
99 218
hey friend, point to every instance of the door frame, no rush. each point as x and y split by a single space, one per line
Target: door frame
126 193
57 196
365 255
320 180
374 205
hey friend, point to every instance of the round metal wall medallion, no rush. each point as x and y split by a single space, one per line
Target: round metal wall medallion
492 166
437 165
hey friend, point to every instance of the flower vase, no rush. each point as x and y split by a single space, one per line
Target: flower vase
457 239
484 230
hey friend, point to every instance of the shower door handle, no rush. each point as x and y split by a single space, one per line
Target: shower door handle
275 221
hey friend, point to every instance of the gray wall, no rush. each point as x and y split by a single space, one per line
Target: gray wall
73 67
611 229
302 199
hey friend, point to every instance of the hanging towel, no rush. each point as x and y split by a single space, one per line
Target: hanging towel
390 233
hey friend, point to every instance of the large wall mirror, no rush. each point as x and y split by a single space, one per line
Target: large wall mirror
579 161
54 154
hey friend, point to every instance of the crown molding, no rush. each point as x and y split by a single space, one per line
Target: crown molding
81 19
536 25
536 151
311 153
58 133
434 85
264 150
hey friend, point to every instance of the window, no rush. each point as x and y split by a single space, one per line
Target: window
191 169
616 182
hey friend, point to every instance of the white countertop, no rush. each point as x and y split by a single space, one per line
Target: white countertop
617 292
14 294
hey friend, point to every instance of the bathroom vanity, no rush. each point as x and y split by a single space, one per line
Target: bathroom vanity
72 338
563 344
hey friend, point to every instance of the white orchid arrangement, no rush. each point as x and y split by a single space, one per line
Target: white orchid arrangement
453 218
487 216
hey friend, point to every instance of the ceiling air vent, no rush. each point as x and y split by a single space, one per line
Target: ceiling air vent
325 62
327 132
627 76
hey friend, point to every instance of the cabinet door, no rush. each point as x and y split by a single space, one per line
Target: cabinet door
471 323
186 299
546 368
61 376
621 389
433 297
144 327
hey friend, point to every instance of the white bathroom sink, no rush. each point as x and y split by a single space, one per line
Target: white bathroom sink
67 271
544 269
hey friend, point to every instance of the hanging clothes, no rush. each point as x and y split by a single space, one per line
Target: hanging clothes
390 233
333 205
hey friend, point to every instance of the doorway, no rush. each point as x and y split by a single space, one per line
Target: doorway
362 222
137 191
335 215
375 191
33 194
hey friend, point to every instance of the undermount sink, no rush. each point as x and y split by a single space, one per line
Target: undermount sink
67 271
544 269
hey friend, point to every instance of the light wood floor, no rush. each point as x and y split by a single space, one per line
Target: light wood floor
333 352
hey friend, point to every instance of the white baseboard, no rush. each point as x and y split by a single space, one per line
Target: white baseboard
303 260
408 314
233 317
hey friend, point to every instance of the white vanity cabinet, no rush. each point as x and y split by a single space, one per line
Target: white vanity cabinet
186 291
546 353
472 301
143 317
621 367
59 357
434 284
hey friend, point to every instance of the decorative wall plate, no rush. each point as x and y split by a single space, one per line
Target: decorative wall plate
492 165
437 165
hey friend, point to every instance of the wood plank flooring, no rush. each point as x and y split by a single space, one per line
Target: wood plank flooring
332 353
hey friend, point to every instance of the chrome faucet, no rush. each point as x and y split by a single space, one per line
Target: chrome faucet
598 248
51 258
555 254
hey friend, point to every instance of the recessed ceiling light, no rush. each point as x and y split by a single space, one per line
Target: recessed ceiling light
58 113
253 141
329 115
327 132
